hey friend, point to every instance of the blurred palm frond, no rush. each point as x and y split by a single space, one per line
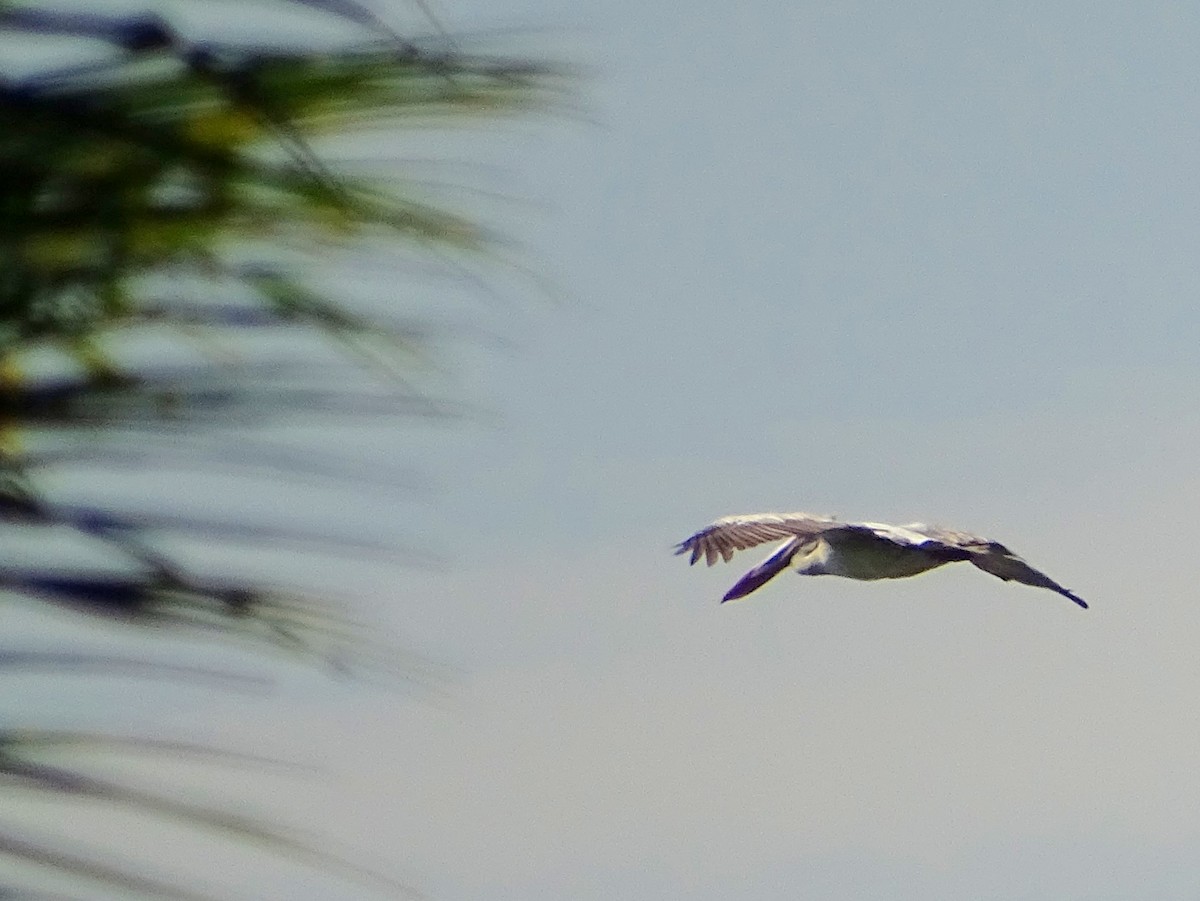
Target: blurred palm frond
163 209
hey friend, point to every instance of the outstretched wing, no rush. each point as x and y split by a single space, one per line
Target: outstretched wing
993 557
779 560
1004 564
726 536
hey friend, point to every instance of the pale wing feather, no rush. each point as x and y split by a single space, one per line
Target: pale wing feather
917 535
723 538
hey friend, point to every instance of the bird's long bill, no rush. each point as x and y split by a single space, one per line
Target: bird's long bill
764 572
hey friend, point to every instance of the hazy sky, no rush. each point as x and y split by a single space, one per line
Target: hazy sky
886 261
897 261
919 261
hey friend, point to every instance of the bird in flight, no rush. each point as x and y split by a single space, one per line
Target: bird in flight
819 545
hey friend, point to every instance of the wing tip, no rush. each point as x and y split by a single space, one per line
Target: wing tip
684 547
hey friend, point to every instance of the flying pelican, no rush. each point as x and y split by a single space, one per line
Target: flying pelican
819 545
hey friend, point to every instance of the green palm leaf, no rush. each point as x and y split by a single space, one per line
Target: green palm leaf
166 191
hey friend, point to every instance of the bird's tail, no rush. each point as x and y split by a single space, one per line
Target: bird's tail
779 560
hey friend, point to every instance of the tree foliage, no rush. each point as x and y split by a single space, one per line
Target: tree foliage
163 209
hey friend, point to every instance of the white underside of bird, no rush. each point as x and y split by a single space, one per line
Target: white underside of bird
821 545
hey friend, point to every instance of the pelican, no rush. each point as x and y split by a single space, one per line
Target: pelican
820 545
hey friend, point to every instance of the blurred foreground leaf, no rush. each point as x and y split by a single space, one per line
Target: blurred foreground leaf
162 214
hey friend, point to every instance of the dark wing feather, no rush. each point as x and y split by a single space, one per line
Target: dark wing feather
756 578
734 533
993 557
1008 566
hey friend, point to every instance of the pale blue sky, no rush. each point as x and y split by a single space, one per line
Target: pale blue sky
924 260
918 261
887 261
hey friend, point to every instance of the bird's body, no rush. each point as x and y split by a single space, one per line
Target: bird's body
820 545
860 556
